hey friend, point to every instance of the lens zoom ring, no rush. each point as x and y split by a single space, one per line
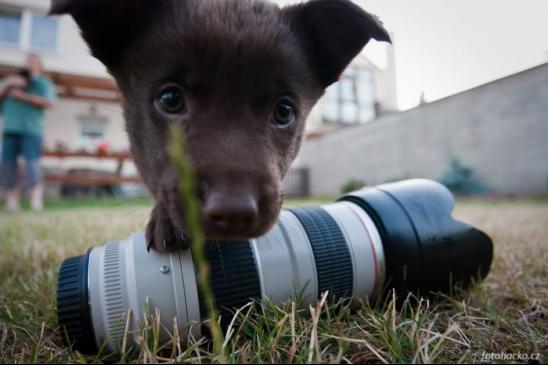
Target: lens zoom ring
333 260
73 312
233 276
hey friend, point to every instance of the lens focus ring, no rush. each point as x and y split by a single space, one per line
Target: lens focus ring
333 260
233 276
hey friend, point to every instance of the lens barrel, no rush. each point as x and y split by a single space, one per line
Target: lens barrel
399 236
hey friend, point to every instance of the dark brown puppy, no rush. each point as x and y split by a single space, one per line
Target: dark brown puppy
239 76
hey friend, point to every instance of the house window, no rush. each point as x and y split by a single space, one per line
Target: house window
10 27
28 30
351 100
43 33
92 133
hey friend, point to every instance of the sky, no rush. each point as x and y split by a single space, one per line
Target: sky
443 47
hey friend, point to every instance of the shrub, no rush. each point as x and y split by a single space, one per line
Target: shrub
353 185
460 179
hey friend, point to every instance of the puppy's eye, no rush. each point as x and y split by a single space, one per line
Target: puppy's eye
284 113
171 100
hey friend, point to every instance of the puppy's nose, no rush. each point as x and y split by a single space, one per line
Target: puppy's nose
230 214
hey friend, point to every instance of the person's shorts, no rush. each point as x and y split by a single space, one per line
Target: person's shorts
30 148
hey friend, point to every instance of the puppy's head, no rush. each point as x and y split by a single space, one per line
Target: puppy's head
238 76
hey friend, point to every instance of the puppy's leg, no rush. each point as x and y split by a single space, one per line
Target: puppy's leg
161 234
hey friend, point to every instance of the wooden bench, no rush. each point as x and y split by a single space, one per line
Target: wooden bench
91 178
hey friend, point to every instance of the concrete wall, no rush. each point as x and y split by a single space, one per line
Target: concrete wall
499 129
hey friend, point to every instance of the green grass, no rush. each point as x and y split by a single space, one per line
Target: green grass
121 202
507 313
92 202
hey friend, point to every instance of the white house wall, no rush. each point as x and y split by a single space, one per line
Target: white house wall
62 123
72 55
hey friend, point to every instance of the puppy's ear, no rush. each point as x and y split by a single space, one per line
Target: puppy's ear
60 6
108 26
333 32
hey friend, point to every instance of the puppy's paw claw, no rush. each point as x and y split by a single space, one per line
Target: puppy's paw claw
162 235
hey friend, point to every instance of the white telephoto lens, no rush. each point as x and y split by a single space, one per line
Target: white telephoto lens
126 282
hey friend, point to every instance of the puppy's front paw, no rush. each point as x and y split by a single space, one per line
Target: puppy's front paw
162 235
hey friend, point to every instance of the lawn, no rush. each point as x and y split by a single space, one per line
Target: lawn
508 313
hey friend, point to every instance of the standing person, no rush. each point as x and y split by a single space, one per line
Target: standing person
26 97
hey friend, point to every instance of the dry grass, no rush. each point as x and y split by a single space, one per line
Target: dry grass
507 313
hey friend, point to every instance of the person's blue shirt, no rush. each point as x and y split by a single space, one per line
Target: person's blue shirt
23 118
